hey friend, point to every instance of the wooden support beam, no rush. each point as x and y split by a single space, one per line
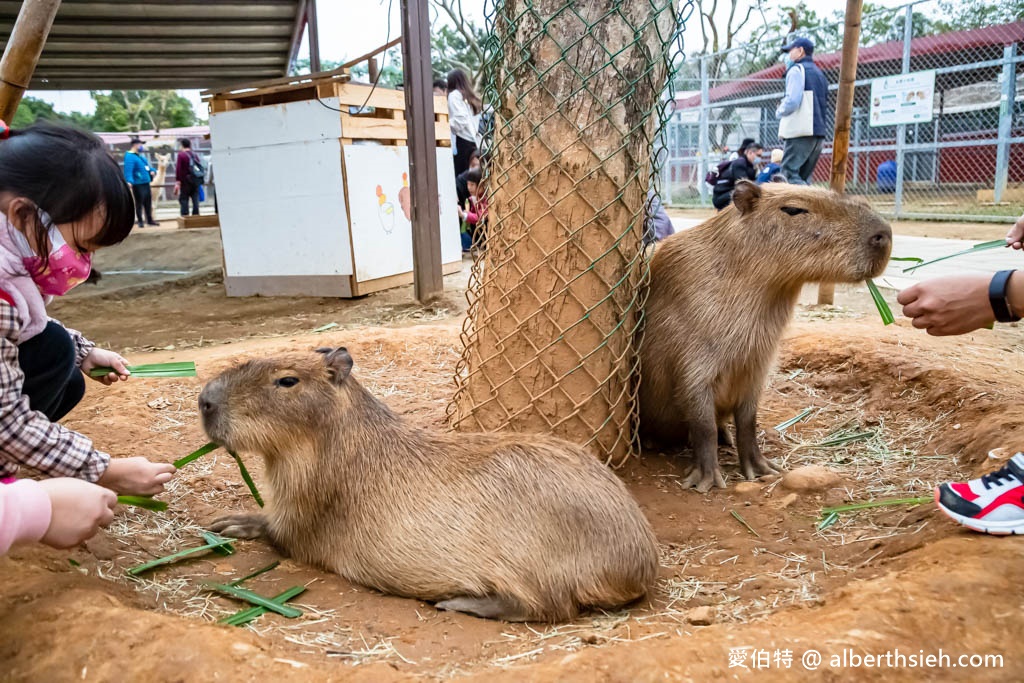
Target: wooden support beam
22 52
428 281
314 36
844 112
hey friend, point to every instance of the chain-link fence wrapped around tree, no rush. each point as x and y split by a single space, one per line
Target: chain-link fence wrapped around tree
578 91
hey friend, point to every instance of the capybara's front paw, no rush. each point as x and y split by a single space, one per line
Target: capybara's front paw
703 481
758 467
240 526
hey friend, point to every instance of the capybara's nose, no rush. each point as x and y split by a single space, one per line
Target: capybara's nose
880 240
208 399
206 406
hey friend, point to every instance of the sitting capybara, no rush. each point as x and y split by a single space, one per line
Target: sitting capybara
721 295
513 527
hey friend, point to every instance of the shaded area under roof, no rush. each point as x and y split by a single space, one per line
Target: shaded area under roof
872 61
164 44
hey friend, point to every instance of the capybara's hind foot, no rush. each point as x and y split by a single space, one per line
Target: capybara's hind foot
703 481
241 526
489 607
758 467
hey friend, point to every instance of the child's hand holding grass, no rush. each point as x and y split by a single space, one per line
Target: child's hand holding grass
101 358
136 476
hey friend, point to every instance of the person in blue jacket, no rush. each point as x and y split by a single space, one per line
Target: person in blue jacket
769 172
800 154
139 174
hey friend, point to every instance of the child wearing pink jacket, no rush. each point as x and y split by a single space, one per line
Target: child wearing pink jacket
60 512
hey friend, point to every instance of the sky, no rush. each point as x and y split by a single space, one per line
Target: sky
349 28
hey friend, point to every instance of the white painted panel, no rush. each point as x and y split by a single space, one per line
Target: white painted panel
380 206
275 124
282 209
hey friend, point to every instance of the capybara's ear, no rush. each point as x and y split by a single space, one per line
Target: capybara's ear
339 363
746 195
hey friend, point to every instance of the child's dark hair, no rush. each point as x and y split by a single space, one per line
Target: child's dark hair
441 83
474 175
67 173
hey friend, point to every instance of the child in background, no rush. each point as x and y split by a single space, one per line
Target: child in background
769 171
474 213
62 197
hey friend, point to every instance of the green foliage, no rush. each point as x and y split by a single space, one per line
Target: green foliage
32 109
449 50
967 14
132 110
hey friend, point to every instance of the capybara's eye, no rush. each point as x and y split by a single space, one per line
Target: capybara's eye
793 210
286 382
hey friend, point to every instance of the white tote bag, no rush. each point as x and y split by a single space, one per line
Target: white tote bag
799 124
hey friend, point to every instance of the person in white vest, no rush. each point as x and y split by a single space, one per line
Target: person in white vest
803 112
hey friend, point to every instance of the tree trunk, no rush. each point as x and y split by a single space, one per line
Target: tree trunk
556 295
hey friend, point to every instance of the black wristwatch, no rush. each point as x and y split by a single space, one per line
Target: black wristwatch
997 297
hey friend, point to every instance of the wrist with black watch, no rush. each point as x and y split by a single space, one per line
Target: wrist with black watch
998 297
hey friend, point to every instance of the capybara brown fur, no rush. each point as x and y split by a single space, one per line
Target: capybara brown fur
721 295
513 527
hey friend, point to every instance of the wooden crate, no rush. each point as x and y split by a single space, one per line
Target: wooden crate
189 222
313 188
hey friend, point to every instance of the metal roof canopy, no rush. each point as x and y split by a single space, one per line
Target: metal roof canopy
165 44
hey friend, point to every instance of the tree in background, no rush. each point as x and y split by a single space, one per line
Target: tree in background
456 42
32 109
132 110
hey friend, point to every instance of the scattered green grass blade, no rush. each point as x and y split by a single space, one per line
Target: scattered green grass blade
877 504
254 598
272 565
830 519
183 369
793 420
198 453
880 303
744 523
221 545
248 479
324 328
145 502
842 440
176 557
246 615
984 246
912 259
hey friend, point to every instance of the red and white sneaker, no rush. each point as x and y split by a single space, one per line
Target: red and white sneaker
993 504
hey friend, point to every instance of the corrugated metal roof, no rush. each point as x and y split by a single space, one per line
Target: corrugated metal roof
168 44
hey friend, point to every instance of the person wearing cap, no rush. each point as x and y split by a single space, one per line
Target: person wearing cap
139 174
803 79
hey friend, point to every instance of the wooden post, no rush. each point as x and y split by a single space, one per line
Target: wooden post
428 281
844 110
22 53
314 37
373 71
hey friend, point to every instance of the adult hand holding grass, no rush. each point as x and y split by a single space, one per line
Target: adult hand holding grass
956 304
136 476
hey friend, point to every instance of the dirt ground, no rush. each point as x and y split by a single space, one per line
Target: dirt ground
744 570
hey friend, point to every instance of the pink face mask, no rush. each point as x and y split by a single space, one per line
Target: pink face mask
65 269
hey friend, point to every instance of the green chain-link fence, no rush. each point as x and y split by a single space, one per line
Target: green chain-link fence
556 293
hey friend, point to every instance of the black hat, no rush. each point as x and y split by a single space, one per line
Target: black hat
135 140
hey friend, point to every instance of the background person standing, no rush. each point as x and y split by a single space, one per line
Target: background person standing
803 79
188 175
139 175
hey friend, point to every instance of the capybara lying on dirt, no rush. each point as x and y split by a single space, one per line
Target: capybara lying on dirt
513 527
721 295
